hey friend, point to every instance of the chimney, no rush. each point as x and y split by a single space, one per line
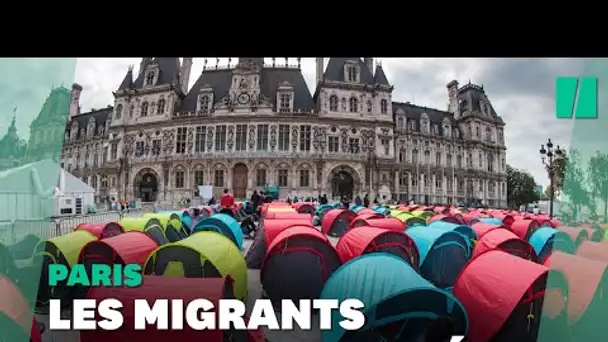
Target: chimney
369 62
319 70
185 73
453 97
144 62
75 100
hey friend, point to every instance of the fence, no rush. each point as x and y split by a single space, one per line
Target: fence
14 231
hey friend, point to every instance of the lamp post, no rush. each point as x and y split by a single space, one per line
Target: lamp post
548 156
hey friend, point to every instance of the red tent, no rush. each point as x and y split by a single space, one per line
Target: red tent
491 295
129 248
365 211
304 208
336 221
578 235
272 228
524 228
507 219
153 288
287 216
101 230
593 250
482 228
506 241
391 223
365 240
446 218
14 306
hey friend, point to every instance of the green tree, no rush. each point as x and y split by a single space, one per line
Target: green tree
558 168
597 174
574 185
521 188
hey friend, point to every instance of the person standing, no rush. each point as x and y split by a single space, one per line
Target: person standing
227 203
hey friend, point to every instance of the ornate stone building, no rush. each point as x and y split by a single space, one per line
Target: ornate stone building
252 124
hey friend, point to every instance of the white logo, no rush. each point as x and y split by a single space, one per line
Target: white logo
456 338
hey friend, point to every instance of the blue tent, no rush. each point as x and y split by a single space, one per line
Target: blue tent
443 253
391 292
380 209
467 232
356 208
492 220
223 224
546 239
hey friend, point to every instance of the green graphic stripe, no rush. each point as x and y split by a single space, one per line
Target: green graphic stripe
35 96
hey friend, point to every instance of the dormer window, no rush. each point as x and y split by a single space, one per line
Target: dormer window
351 73
150 78
144 109
383 106
118 111
161 106
285 103
333 103
203 104
353 105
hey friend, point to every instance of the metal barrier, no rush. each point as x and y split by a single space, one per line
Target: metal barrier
12 232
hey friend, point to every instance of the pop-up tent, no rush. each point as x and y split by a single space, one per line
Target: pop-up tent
298 262
545 240
336 221
410 220
578 235
63 250
322 210
287 216
467 232
171 223
25 248
264 236
305 208
587 302
16 315
390 223
153 289
201 255
593 250
399 305
481 228
511 305
365 240
150 226
506 241
524 228
101 230
223 224
445 218
443 254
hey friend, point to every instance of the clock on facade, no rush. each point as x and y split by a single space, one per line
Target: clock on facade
243 98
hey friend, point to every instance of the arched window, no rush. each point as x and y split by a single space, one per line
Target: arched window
204 104
333 103
161 106
131 111
353 105
118 111
490 162
144 109
383 106
150 78
489 134
415 157
400 123
369 106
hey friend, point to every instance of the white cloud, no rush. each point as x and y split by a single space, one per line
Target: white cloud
521 90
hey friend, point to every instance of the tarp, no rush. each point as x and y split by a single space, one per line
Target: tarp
211 247
489 291
391 291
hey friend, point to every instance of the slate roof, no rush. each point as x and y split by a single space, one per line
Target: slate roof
473 95
100 116
414 112
168 67
335 70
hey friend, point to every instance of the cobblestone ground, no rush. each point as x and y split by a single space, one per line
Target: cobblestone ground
254 291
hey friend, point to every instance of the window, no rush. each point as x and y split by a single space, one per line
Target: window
114 151
489 137
144 109
386 143
204 104
400 123
285 103
415 181
478 132
470 161
218 178
438 182
131 111
283 137
118 111
305 138
448 160
220 138
156 146
403 179
333 103
425 180
160 107
180 145
334 144
383 106
427 157
241 138
139 148
414 157
490 162
283 177
504 166
480 161
104 181
200 139
438 158
260 177
179 179
262 137
150 78
94 181
448 183
86 160
353 145
353 105
95 159
351 73
370 106
199 177
304 178
402 156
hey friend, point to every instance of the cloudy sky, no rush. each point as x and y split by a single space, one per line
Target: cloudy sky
521 90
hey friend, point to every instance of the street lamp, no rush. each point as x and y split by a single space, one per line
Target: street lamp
547 156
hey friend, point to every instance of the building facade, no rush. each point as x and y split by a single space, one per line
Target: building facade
250 125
